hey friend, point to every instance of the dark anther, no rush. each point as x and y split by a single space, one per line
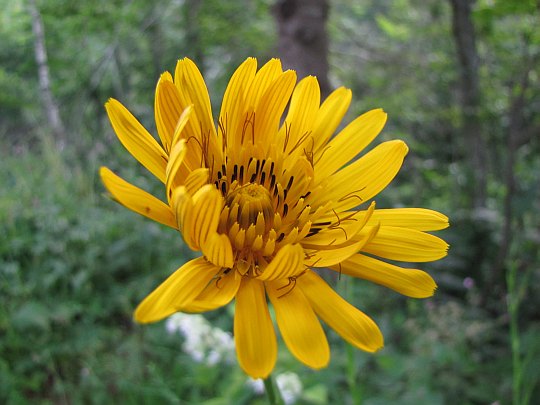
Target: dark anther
273 181
289 184
285 209
263 176
224 169
313 231
219 175
253 177
242 174
280 237
306 195
235 173
224 188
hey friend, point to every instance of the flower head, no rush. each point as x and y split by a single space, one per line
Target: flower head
268 201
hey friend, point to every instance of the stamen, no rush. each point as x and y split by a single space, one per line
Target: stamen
289 184
352 195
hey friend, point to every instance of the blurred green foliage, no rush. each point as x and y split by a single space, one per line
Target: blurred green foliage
73 264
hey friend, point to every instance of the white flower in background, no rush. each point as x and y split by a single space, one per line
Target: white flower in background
202 342
289 386
256 385
288 383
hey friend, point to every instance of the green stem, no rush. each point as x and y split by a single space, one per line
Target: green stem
273 397
513 308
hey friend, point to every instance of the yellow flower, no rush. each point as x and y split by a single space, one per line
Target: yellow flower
268 201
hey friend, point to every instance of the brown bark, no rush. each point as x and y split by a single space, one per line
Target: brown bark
49 103
303 39
465 41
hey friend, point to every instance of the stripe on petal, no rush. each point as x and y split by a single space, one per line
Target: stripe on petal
350 323
207 204
288 262
408 245
232 107
329 117
305 102
329 257
192 89
350 142
218 250
366 177
183 206
420 219
136 139
254 335
299 326
271 106
218 293
410 282
178 291
263 78
137 199
165 106
176 161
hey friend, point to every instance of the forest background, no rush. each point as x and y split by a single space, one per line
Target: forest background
460 81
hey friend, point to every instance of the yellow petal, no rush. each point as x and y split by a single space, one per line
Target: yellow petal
299 326
330 114
232 107
183 206
408 245
342 229
218 250
329 257
288 262
263 78
302 113
350 142
176 160
179 290
181 124
218 293
192 90
420 219
254 335
366 177
410 282
271 106
351 324
166 106
207 205
196 179
136 139
137 199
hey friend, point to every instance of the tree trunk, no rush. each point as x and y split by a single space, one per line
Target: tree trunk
303 39
49 104
465 40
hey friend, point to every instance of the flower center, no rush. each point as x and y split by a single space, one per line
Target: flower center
254 207
251 205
